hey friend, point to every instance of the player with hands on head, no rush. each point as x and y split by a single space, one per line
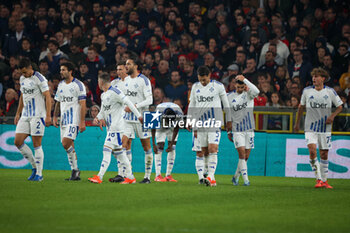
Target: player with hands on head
241 103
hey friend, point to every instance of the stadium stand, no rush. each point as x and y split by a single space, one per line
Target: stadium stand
274 43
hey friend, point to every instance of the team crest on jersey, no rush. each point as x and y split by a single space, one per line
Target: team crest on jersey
31 84
136 86
108 99
325 97
211 89
71 90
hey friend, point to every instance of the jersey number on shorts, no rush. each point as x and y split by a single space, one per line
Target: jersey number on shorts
329 141
251 141
217 136
112 135
71 129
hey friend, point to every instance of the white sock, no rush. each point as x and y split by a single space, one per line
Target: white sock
315 166
106 160
212 162
244 169
158 162
324 170
200 167
69 156
75 160
119 164
206 162
171 161
238 172
72 158
129 155
28 154
125 163
39 160
148 163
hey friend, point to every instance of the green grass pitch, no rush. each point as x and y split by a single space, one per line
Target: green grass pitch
270 204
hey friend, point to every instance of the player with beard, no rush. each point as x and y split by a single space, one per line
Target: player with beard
71 102
138 89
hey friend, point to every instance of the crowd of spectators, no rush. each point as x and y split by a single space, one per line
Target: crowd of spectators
275 44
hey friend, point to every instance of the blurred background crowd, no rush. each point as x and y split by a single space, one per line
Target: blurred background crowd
274 43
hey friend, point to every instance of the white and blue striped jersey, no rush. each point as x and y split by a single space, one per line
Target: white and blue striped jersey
176 108
69 96
242 106
319 108
205 102
112 109
32 89
139 91
119 83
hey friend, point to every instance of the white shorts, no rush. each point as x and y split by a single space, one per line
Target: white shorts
114 140
69 131
34 126
196 145
245 139
323 140
209 137
162 134
136 128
